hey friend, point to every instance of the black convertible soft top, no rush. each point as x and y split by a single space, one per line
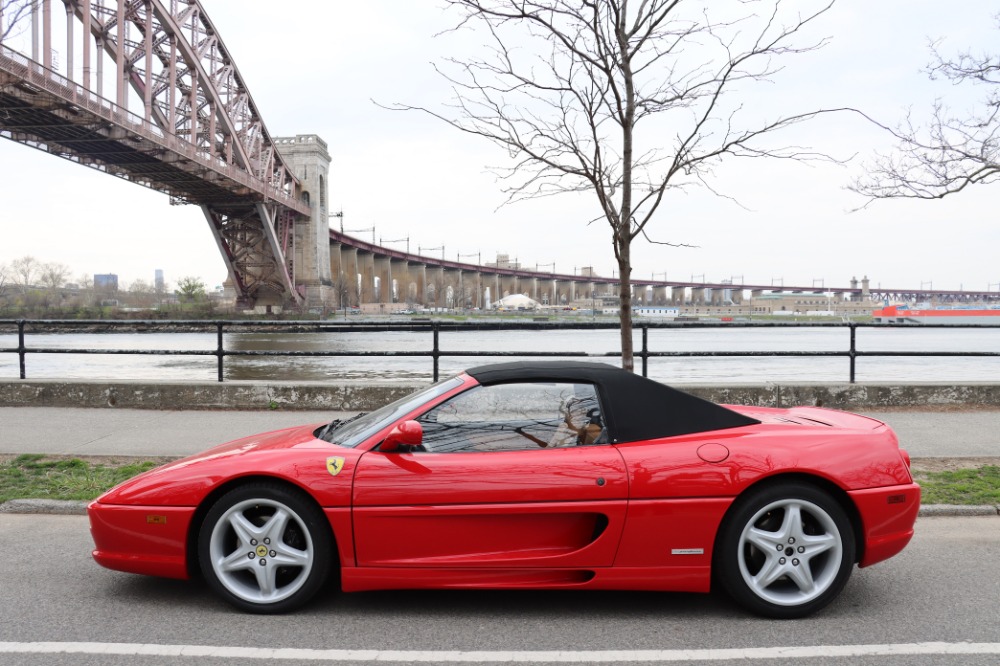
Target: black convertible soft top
635 408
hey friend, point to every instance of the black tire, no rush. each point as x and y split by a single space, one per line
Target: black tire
265 547
785 550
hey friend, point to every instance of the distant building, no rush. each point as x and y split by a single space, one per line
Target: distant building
106 283
158 284
503 261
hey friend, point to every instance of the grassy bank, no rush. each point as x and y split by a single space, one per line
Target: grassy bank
36 476
973 485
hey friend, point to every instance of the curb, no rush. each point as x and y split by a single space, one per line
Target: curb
45 506
79 508
935 510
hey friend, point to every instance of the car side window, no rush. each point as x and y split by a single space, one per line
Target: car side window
519 416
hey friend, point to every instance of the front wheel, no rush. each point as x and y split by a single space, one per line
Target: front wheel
786 551
265 548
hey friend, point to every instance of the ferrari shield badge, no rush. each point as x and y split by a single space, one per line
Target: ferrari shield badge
334 465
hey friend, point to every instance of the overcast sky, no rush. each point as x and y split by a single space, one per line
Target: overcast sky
315 67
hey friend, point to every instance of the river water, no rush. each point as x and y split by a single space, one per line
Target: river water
729 370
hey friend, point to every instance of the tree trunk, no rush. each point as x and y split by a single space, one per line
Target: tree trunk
625 304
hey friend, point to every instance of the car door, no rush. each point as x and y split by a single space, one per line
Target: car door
511 475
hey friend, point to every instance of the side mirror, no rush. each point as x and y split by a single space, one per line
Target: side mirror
406 435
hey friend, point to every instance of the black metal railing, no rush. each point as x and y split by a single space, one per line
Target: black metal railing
434 328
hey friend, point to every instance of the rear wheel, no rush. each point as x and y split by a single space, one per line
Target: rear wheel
265 547
786 550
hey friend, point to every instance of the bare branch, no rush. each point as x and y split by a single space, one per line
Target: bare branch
950 153
12 16
628 101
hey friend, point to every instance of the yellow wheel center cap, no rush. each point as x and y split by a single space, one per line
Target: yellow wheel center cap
261 551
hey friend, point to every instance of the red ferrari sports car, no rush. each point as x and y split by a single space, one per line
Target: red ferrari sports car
555 475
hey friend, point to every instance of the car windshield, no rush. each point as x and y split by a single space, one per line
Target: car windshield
355 430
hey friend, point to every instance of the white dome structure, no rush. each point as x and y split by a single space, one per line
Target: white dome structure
516 302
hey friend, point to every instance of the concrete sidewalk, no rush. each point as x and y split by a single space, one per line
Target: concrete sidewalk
152 433
137 432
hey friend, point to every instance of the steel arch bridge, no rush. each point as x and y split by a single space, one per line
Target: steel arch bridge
147 91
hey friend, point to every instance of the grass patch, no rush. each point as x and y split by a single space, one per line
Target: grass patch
979 485
35 476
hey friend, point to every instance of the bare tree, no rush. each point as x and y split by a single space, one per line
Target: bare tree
53 275
342 290
24 272
142 294
627 101
951 152
12 15
4 279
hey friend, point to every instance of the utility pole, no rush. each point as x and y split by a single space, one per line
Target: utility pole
340 214
382 242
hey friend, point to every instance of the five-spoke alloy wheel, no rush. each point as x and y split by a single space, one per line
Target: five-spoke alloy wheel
265 547
785 550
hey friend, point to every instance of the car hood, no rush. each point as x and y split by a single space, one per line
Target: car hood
185 482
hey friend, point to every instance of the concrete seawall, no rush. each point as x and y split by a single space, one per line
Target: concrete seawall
342 396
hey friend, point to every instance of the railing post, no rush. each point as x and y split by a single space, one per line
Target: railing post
854 350
219 352
436 351
20 345
645 351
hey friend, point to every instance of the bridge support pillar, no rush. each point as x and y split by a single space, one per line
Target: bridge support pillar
337 275
308 158
491 290
366 267
418 279
476 290
383 279
449 293
545 292
348 280
399 281
659 295
435 290
508 286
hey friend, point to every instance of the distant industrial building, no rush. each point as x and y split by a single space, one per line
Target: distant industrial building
158 284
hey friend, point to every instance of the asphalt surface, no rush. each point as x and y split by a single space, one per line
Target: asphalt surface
136 432
940 592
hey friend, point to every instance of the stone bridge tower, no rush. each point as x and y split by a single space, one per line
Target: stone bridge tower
309 160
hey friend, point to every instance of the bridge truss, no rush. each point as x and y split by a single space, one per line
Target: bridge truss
147 91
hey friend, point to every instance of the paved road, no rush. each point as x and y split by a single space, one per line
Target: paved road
173 433
942 589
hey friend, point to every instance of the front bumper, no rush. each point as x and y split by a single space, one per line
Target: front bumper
150 540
